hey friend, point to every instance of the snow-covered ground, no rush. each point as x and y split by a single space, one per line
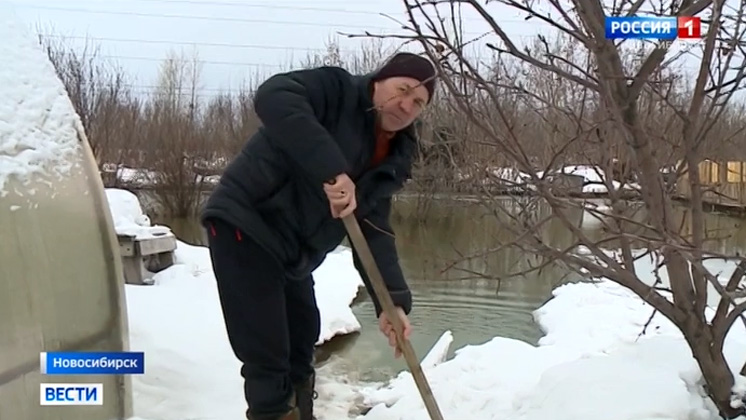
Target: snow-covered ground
191 370
589 365
593 178
134 177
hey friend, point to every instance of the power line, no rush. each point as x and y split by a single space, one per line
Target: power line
184 90
194 43
227 63
195 17
210 44
165 88
211 18
299 8
196 95
273 6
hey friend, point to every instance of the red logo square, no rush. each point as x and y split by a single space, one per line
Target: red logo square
689 27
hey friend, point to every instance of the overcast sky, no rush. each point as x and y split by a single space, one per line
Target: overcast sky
236 40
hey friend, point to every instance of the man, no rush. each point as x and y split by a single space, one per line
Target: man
331 144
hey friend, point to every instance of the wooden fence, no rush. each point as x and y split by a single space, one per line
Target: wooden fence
724 183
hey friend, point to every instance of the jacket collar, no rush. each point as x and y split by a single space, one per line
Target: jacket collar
364 87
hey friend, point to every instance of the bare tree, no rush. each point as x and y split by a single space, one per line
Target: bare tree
624 111
177 148
99 93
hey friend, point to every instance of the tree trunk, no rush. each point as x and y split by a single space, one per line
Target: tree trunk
698 333
715 370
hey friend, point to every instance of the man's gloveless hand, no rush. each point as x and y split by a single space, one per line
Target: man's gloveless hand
341 194
387 328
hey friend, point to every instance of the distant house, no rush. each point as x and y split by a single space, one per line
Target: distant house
723 181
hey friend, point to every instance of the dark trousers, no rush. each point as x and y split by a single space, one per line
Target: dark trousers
272 323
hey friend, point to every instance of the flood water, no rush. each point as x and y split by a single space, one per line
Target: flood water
460 299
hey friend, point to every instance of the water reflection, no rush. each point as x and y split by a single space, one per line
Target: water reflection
476 298
723 234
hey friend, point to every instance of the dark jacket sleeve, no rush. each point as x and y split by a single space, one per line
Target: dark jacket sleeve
383 247
291 107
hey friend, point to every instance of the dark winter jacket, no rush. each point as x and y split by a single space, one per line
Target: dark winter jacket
317 124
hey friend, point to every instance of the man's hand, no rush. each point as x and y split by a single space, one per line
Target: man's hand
387 328
341 194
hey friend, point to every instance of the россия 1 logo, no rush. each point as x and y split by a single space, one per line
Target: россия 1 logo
661 28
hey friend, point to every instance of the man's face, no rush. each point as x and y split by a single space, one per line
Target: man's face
399 101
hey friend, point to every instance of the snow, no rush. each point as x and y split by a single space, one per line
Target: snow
134 177
511 178
336 285
129 218
591 363
594 179
38 124
191 371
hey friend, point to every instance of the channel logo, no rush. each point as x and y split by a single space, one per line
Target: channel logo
664 27
71 394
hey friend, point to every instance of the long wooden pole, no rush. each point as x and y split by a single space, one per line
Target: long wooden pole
387 304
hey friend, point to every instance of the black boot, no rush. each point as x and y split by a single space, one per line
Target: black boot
293 414
305 395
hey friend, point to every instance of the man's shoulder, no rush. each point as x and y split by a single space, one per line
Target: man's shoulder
336 70
325 78
333 72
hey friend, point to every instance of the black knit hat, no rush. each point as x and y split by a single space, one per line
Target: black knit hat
406 64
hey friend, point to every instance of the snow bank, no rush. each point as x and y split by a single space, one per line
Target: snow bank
131 176
128 217
38 124
336 284
595 179
652 380
191 371
589 365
